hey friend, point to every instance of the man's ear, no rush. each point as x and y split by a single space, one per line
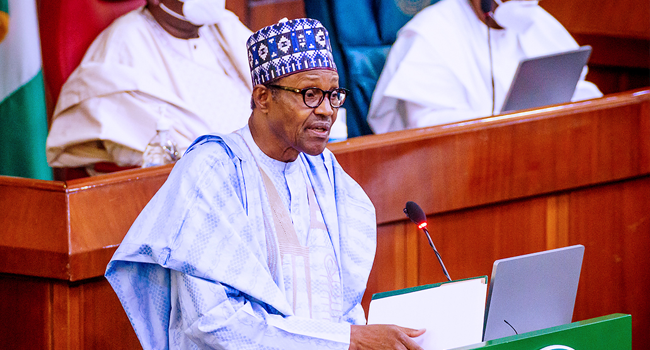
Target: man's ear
262 96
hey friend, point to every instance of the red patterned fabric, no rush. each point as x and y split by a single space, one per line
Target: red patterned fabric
67 28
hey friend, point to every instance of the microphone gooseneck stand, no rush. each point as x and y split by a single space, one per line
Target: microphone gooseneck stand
444 269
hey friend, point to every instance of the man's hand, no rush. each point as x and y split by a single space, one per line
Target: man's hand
381 336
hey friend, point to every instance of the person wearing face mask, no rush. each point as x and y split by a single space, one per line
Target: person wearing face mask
189 56
438 70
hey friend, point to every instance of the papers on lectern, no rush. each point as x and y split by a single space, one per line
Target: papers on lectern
452 312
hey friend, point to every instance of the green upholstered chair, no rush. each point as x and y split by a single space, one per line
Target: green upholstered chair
361 33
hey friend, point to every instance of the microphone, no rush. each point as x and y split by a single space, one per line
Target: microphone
415 213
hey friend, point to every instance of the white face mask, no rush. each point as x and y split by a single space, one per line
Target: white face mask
199 12
516 15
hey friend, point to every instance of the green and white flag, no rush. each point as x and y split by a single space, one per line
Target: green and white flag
23 117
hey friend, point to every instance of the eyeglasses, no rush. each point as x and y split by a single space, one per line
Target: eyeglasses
313 96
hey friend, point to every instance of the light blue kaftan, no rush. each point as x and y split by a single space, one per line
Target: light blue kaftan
194 270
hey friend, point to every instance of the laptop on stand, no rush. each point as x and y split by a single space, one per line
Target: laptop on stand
546 80
532 292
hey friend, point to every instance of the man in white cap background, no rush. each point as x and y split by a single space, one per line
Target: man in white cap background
259 239
452 63
181 60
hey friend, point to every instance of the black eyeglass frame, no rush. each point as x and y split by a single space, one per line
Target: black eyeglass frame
324 93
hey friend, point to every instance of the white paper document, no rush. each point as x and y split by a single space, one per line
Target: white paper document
451 312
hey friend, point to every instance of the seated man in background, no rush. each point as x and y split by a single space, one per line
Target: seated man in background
440 71
258 239
187 57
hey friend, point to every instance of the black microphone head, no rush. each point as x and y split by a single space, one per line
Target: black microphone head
486 6
415 213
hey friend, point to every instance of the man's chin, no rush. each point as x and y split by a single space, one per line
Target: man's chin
314 150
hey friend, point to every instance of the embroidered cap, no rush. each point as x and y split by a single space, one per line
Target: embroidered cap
288 47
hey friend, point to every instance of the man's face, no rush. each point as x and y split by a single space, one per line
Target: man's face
294 126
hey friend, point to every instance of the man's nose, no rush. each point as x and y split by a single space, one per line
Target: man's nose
325 108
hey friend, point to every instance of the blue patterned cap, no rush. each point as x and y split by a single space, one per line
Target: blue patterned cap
289 47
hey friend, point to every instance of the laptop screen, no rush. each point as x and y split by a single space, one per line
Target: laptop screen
532 292
546 80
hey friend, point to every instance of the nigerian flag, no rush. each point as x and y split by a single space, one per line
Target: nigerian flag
23 118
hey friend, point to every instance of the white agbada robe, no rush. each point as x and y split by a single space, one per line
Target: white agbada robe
108 107
201 265
438 70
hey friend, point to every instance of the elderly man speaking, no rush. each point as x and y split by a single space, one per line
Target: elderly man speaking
258 239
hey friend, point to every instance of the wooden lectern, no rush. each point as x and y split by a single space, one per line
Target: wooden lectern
492 188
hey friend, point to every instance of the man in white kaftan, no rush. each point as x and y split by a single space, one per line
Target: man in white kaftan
258 239
109 106
204 234
438 69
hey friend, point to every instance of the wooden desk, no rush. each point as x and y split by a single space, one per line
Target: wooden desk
492 188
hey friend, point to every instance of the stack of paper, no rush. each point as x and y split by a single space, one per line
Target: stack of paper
452 312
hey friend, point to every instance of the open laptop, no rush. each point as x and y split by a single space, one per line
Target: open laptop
532 292
546 80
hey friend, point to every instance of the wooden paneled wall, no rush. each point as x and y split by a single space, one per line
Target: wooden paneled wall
618 31
42 313
621 18
257 14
